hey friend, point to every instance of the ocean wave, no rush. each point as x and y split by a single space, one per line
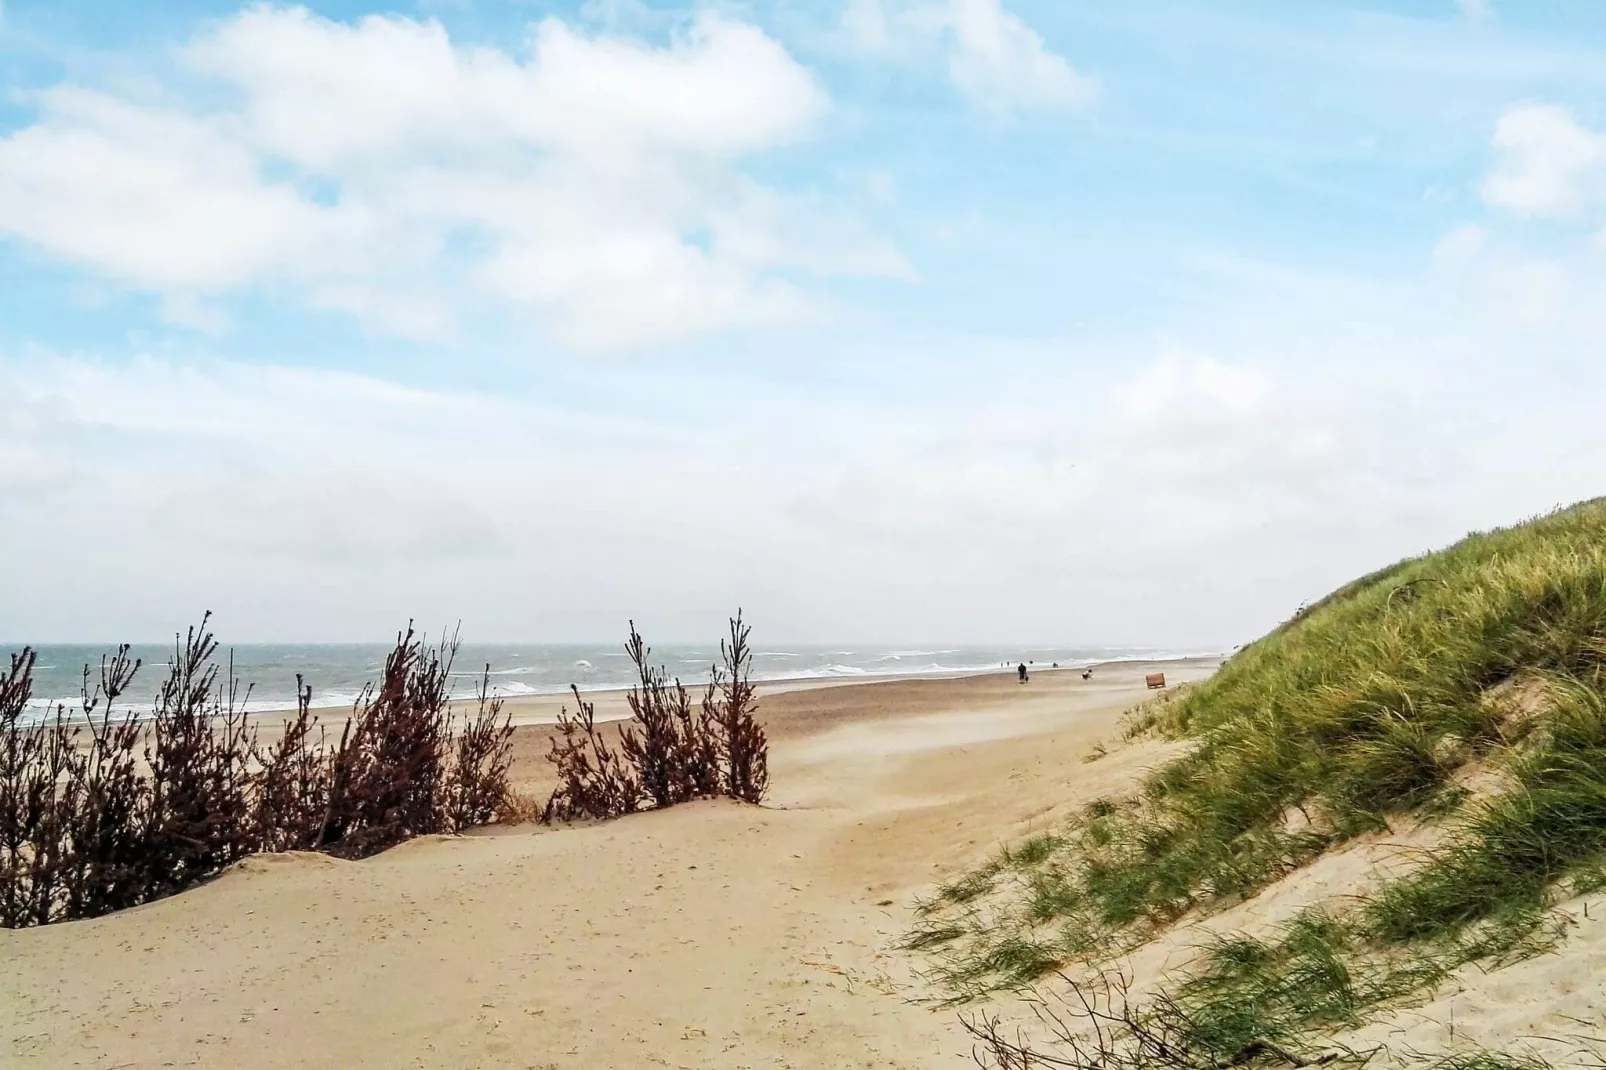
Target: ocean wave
72 708
822 672
515 688
837 672
327 701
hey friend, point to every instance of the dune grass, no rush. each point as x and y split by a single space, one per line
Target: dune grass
1512 850
1365 707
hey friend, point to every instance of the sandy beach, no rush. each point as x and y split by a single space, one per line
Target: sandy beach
709 936
527 524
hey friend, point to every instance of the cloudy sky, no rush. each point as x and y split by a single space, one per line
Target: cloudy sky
888 320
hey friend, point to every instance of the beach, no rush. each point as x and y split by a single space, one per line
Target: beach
712 935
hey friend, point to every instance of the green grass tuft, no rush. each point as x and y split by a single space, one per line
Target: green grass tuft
1489 1060
1033 850
971 886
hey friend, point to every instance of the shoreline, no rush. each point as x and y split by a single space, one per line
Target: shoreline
542 707
716 935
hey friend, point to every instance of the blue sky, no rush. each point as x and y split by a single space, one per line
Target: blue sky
888 319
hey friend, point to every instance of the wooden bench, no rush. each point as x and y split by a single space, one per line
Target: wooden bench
1155 680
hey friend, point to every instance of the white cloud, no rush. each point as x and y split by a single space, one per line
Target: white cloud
1549 166
1182 385
1194 497
1546 163
994 58
1000 62
1537 290
1532 289
1459 247
365 164
1477 10
866 24
154 197
325 94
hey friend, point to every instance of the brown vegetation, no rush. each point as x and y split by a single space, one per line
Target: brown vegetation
668 753
113 811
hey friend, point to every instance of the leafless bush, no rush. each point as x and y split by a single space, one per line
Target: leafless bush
730 704
293 798
34 759
102 808
675 756
593 781
519 808
668 753
389 769
198 754
115 811
477 788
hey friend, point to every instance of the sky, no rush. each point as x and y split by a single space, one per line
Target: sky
1070 321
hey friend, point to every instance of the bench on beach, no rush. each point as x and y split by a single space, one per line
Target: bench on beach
1155 680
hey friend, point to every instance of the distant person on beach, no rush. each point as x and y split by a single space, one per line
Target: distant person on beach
1087 674
1022 670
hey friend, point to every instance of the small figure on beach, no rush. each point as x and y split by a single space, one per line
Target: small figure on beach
1087 674
1021 668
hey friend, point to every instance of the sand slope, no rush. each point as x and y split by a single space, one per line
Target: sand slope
711 936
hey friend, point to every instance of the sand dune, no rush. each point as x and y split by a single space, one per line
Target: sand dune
710 936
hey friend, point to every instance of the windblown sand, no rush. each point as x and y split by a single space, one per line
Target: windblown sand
711 936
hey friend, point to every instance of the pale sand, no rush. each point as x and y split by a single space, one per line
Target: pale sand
709 936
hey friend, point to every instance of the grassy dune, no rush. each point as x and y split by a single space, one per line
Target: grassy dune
1465 690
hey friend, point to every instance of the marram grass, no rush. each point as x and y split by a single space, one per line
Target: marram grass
1361 708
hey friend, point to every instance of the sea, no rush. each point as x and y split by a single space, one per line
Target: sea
338 672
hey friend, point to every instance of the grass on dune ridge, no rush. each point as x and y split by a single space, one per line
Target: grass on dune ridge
1365 706
1371 704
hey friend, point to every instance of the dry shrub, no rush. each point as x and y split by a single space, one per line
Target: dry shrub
729 706
519 808
668 754
293 796
389 768
101 805
198 754
592 779
114 811
477 792
668 747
